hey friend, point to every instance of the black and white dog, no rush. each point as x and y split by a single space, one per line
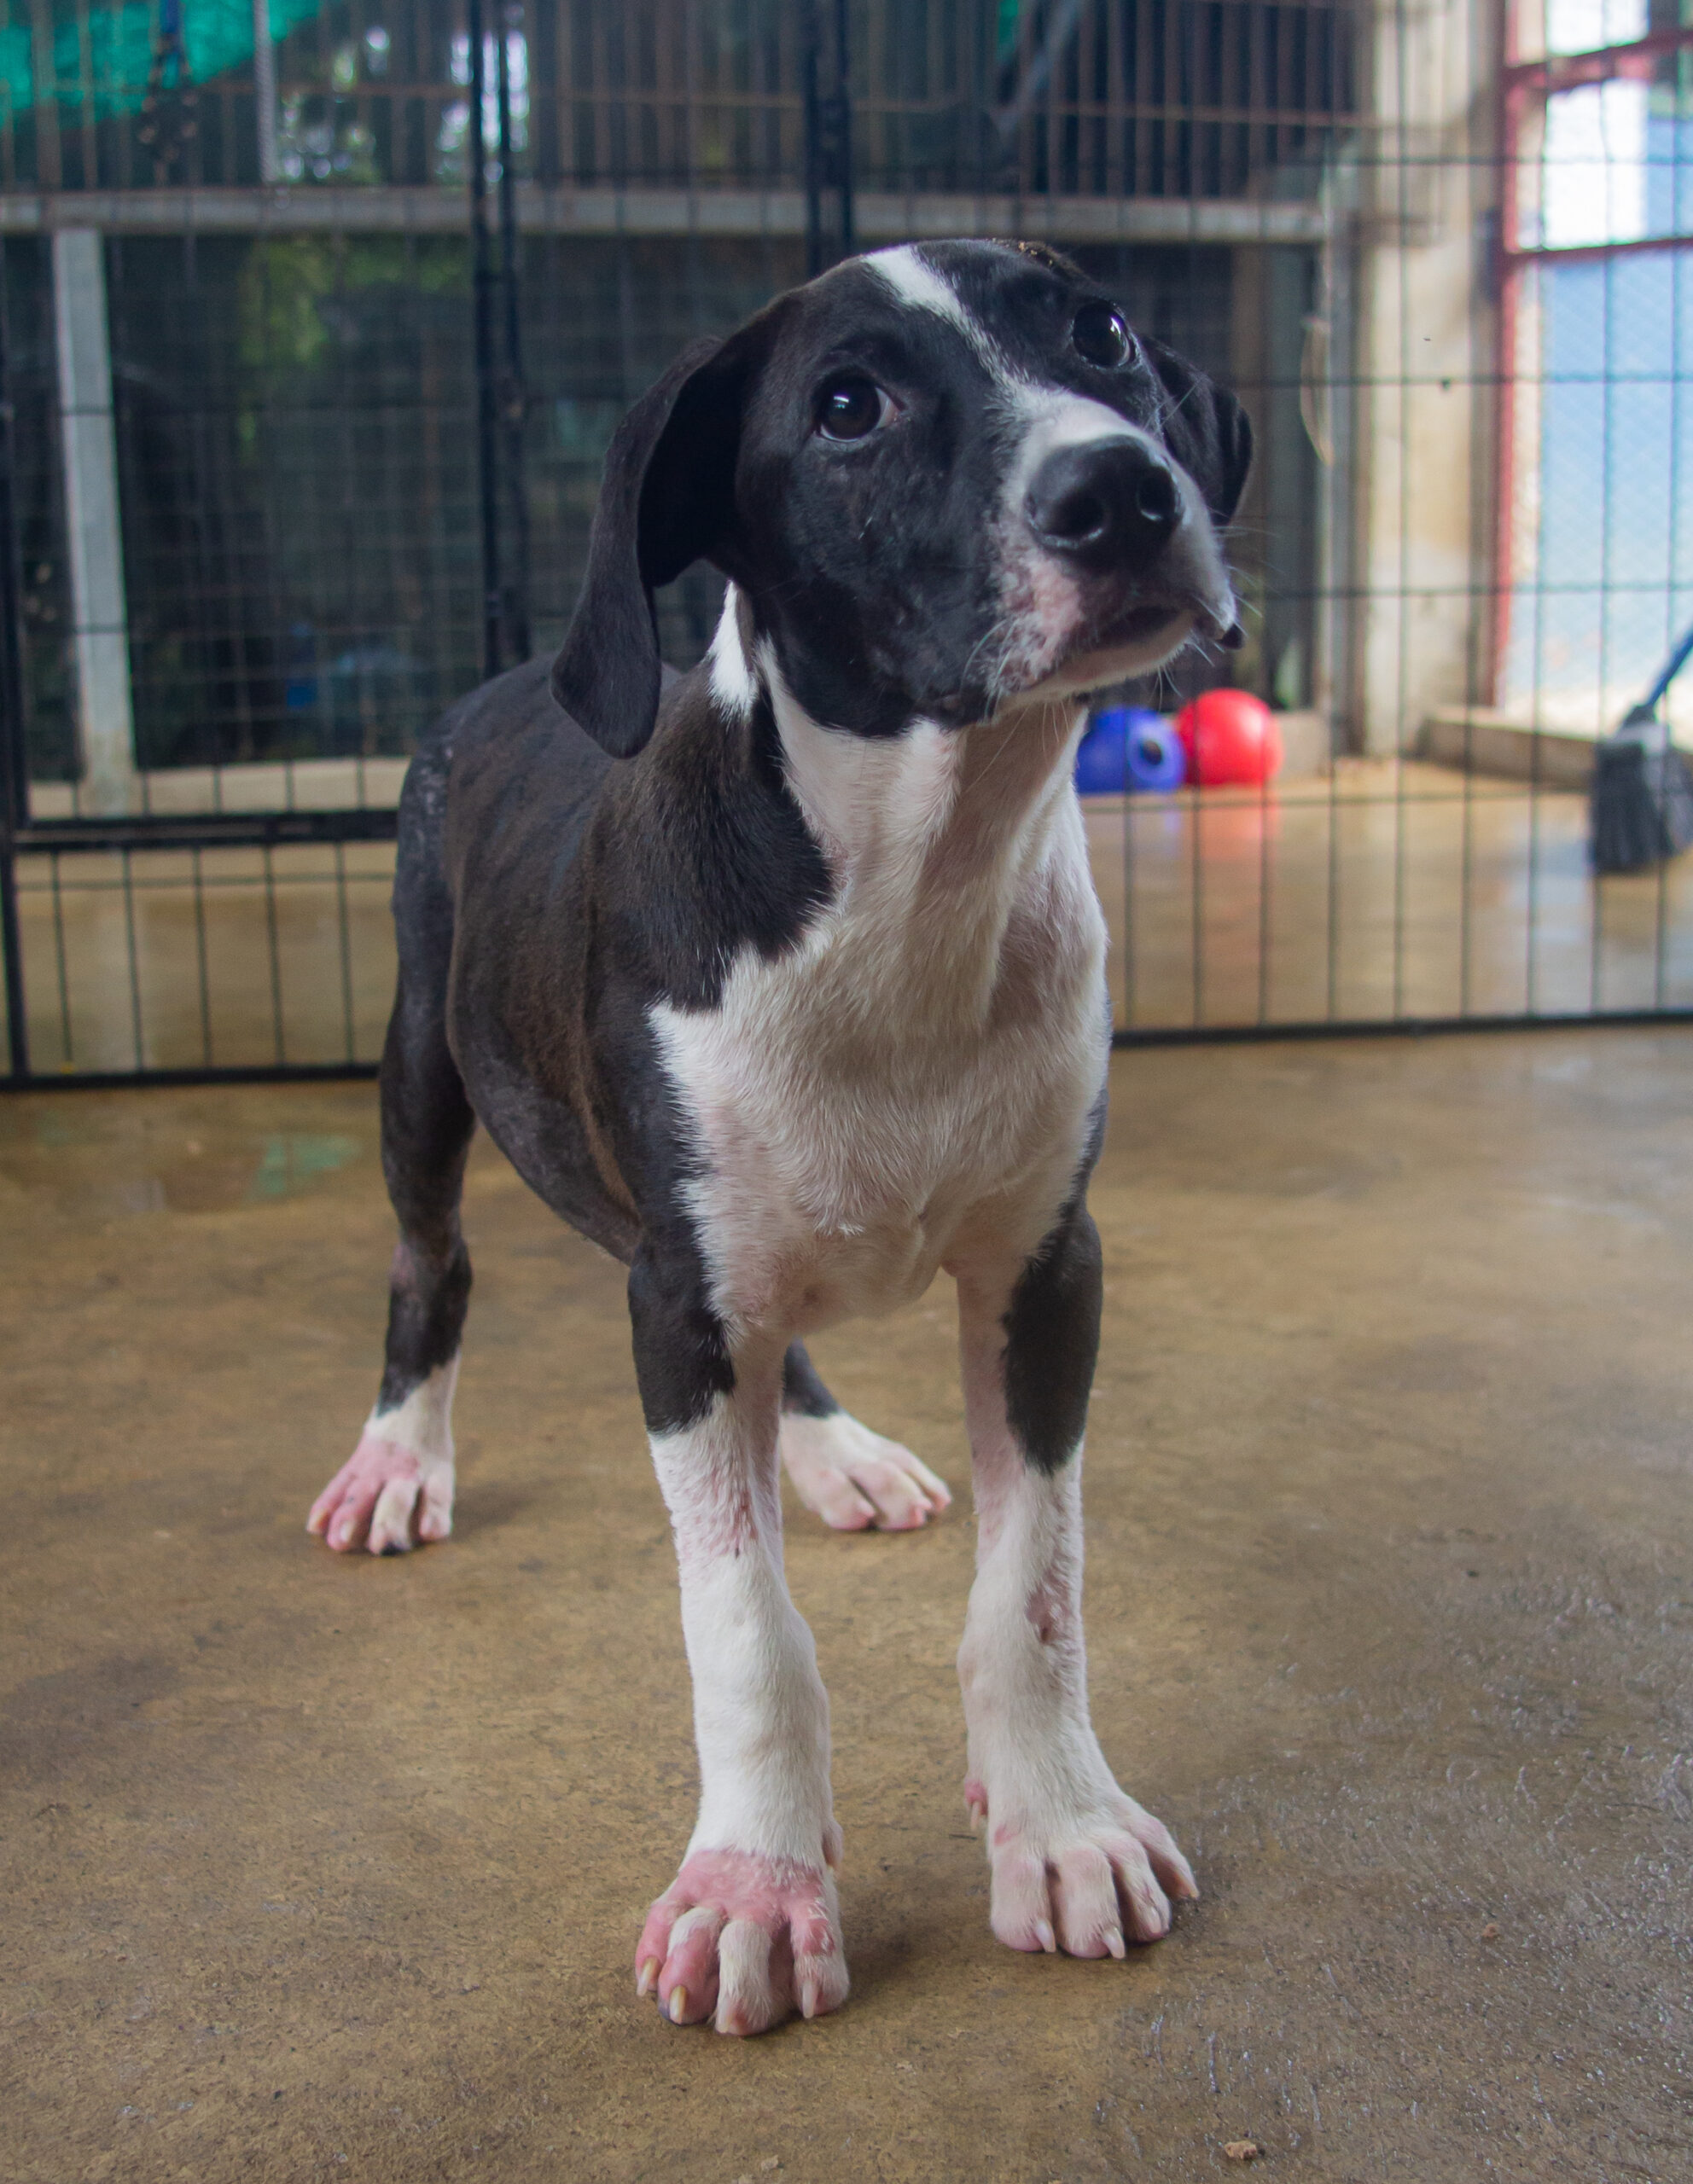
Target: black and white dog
784 982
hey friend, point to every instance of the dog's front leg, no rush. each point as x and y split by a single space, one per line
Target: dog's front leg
750 1929
1075 1862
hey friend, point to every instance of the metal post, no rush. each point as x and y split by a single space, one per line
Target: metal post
829 135
14 777
513 400
843 125
482 306
1505 282
265 91
99 618
813 120
13 762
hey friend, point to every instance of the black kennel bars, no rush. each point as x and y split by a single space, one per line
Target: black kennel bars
348 364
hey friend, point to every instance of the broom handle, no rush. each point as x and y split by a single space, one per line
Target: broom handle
1677 660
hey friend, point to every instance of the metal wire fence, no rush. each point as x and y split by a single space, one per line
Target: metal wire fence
318 319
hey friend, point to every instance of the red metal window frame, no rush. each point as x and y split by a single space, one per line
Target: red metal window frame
1525 85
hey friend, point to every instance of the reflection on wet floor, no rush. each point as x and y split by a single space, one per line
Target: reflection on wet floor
1393 889
111 1154
288 1163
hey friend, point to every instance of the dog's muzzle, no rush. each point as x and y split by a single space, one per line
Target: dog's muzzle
1124 520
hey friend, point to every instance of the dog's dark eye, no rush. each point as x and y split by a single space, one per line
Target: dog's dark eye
851 408
1100 337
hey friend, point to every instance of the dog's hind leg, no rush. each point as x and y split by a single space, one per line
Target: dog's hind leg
852 1479
397 1487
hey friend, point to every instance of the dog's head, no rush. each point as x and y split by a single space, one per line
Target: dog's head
942 477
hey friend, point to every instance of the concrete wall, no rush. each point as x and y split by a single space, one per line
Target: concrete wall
1424 349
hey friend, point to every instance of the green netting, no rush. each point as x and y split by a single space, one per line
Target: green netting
104 56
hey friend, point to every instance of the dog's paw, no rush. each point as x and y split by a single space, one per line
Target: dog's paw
853 1478
1083 1883
743 1941
386 1497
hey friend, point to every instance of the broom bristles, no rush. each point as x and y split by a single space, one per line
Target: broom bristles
1642 800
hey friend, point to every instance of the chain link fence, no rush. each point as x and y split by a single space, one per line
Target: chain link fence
318 319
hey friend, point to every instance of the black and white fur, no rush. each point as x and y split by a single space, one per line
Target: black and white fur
784 981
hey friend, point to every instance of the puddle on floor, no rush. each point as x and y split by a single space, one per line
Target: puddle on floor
89 1155
289 1163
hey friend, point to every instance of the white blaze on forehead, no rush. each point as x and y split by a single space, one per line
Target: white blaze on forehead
915 281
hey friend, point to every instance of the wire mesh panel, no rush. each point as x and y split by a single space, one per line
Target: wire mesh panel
239 958
318 318
297 476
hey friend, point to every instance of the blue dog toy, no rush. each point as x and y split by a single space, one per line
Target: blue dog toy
1126 748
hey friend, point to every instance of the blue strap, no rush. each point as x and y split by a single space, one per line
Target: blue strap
1677 660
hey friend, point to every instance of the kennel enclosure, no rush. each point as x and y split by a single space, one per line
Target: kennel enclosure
318 318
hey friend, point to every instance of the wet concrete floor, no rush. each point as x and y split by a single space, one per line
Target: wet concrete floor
323 1867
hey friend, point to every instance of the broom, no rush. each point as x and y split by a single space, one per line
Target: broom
1642 803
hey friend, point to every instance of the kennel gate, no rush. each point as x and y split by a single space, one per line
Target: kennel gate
304 403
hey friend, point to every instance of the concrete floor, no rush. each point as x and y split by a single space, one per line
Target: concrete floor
322 1868
1394 889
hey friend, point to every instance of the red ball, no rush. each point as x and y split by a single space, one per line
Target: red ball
1232 740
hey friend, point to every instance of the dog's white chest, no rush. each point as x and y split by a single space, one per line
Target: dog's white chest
856 1103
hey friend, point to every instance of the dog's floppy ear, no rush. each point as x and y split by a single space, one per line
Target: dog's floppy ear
664 497
1206 429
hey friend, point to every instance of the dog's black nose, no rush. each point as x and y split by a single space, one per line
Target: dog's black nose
1110 504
